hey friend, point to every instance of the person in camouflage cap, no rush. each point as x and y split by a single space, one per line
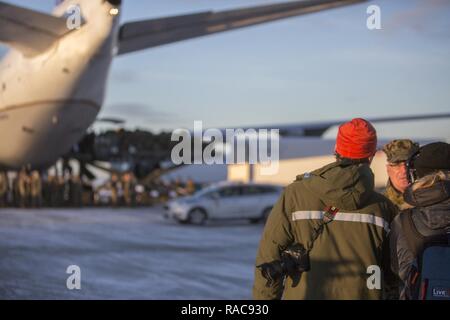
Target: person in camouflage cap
398 152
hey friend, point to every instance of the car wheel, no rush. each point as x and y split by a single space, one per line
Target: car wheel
197 216
265 214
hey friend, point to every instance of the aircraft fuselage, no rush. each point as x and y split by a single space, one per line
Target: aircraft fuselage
48 101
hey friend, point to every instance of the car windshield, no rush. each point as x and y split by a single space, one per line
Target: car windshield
247 190
205 191
259 189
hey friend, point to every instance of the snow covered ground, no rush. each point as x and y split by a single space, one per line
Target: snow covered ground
123 254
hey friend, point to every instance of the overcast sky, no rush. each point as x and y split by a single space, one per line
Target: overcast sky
323 66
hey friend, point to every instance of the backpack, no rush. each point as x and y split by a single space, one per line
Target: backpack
429 278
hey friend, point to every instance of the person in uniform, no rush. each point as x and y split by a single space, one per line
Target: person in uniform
23 186
397 153
35 189
4 188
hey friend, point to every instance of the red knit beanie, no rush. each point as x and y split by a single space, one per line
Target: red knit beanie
356 139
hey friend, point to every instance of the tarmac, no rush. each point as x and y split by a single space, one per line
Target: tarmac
123 254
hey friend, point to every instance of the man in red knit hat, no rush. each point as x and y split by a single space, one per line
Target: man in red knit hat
356 139
325 236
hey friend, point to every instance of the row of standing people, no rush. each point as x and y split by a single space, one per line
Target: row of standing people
32 189
125 190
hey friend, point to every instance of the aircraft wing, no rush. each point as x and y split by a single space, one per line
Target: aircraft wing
29 31
317 129
111 120
140 35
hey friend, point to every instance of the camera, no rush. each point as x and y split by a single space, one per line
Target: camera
294 261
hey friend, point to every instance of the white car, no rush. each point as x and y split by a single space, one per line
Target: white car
225 201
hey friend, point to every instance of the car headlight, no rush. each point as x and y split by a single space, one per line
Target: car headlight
177 206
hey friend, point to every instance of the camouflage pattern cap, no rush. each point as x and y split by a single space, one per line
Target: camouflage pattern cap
400 150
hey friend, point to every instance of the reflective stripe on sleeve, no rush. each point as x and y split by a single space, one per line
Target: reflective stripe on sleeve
343 216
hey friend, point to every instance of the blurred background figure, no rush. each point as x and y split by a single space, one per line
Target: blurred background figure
128 185
190 186
140 197
35 189
46 189
4 189
60 186
53 189
75 191
23 188
88 194
114 187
